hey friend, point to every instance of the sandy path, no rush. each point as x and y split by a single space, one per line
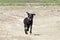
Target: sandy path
46 22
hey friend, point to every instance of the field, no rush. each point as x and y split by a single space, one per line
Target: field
46 24
30 2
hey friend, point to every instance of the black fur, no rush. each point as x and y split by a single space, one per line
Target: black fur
28 22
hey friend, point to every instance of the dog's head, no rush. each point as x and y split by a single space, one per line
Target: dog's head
30 15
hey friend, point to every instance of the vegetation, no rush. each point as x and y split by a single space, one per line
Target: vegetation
30 2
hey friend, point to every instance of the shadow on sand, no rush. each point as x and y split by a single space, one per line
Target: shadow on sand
36 34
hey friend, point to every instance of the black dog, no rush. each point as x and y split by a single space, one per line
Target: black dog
28 22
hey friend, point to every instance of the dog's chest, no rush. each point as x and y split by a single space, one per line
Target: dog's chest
29 21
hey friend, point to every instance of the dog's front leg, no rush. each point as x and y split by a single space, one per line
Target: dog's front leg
31 29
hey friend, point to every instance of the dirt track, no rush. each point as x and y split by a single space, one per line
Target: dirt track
46 22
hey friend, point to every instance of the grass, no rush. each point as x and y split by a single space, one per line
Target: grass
18 3
31 4
11 4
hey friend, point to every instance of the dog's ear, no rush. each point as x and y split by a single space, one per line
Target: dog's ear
33 14
28 13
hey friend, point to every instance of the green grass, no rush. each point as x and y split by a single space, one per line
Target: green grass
31 4
23 3
12 4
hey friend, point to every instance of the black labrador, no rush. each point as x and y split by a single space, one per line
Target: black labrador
28 22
